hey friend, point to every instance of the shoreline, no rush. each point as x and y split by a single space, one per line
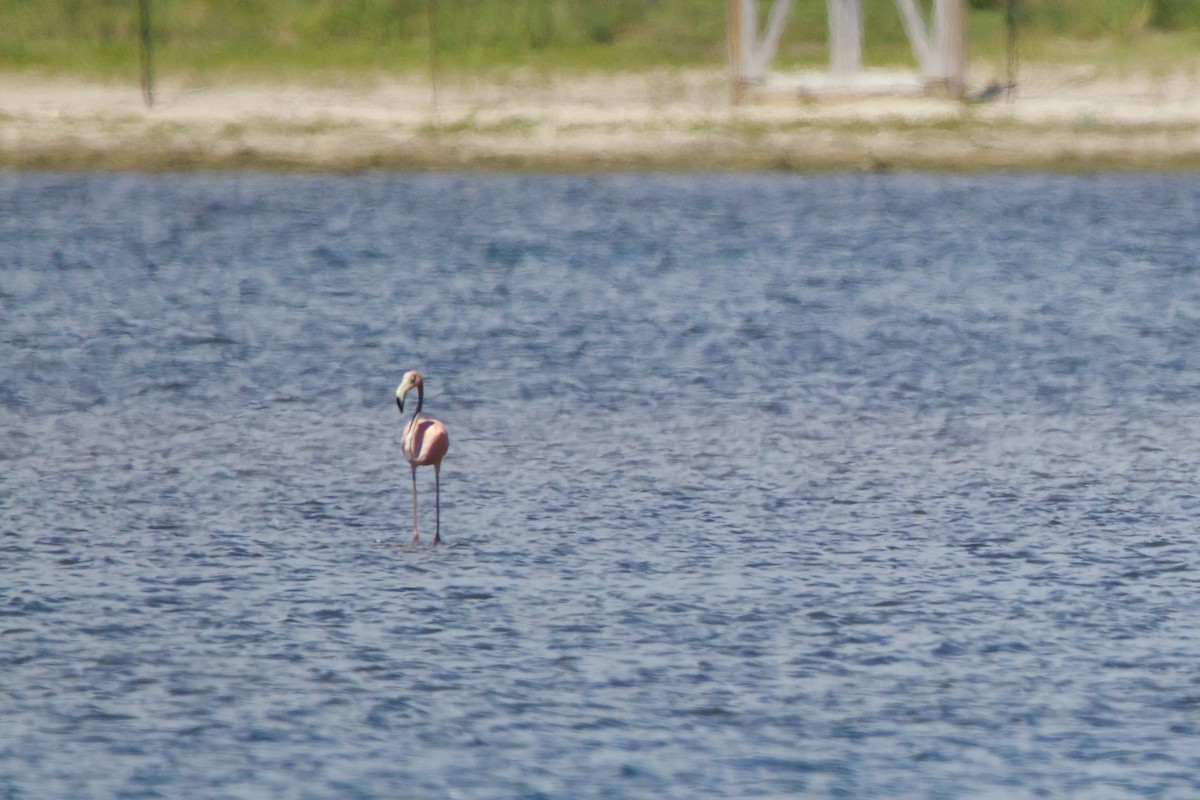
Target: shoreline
1062 119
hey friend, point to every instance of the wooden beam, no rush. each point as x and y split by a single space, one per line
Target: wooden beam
918 36
750 57
845 36
766 48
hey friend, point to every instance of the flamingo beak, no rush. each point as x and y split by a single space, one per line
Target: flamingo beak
401 391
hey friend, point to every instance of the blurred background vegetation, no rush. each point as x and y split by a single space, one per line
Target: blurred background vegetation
297 38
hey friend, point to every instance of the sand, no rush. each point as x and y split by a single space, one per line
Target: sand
1061 118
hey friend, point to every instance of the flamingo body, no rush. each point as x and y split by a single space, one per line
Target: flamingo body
424 442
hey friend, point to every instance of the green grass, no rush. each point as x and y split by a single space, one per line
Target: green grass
306 38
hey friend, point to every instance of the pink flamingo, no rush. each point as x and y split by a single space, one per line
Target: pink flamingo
424 442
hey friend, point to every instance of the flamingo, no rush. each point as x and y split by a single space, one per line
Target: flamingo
424 442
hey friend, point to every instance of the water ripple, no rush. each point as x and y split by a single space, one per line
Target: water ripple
856 486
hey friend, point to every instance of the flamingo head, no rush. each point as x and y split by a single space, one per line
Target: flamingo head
411 380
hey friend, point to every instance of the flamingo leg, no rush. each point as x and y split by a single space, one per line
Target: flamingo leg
437 503
414 482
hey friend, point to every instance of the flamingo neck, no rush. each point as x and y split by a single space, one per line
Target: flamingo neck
420 399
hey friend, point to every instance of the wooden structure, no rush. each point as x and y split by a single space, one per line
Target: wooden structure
939 46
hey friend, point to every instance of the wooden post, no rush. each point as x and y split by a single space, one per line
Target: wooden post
951 35
918 36
147 62
845 35
747 47
766 47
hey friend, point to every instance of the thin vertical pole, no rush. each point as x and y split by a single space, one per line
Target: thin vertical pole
1010 20
748 49
432 20
147 61
734 45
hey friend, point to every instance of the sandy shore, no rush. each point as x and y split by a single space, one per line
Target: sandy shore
1059 119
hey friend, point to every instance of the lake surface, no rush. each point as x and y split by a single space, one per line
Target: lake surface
758 486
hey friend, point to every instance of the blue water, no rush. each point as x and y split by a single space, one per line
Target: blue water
758 486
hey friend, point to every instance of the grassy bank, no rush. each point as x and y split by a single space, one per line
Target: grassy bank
99 39
666 119
574 85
